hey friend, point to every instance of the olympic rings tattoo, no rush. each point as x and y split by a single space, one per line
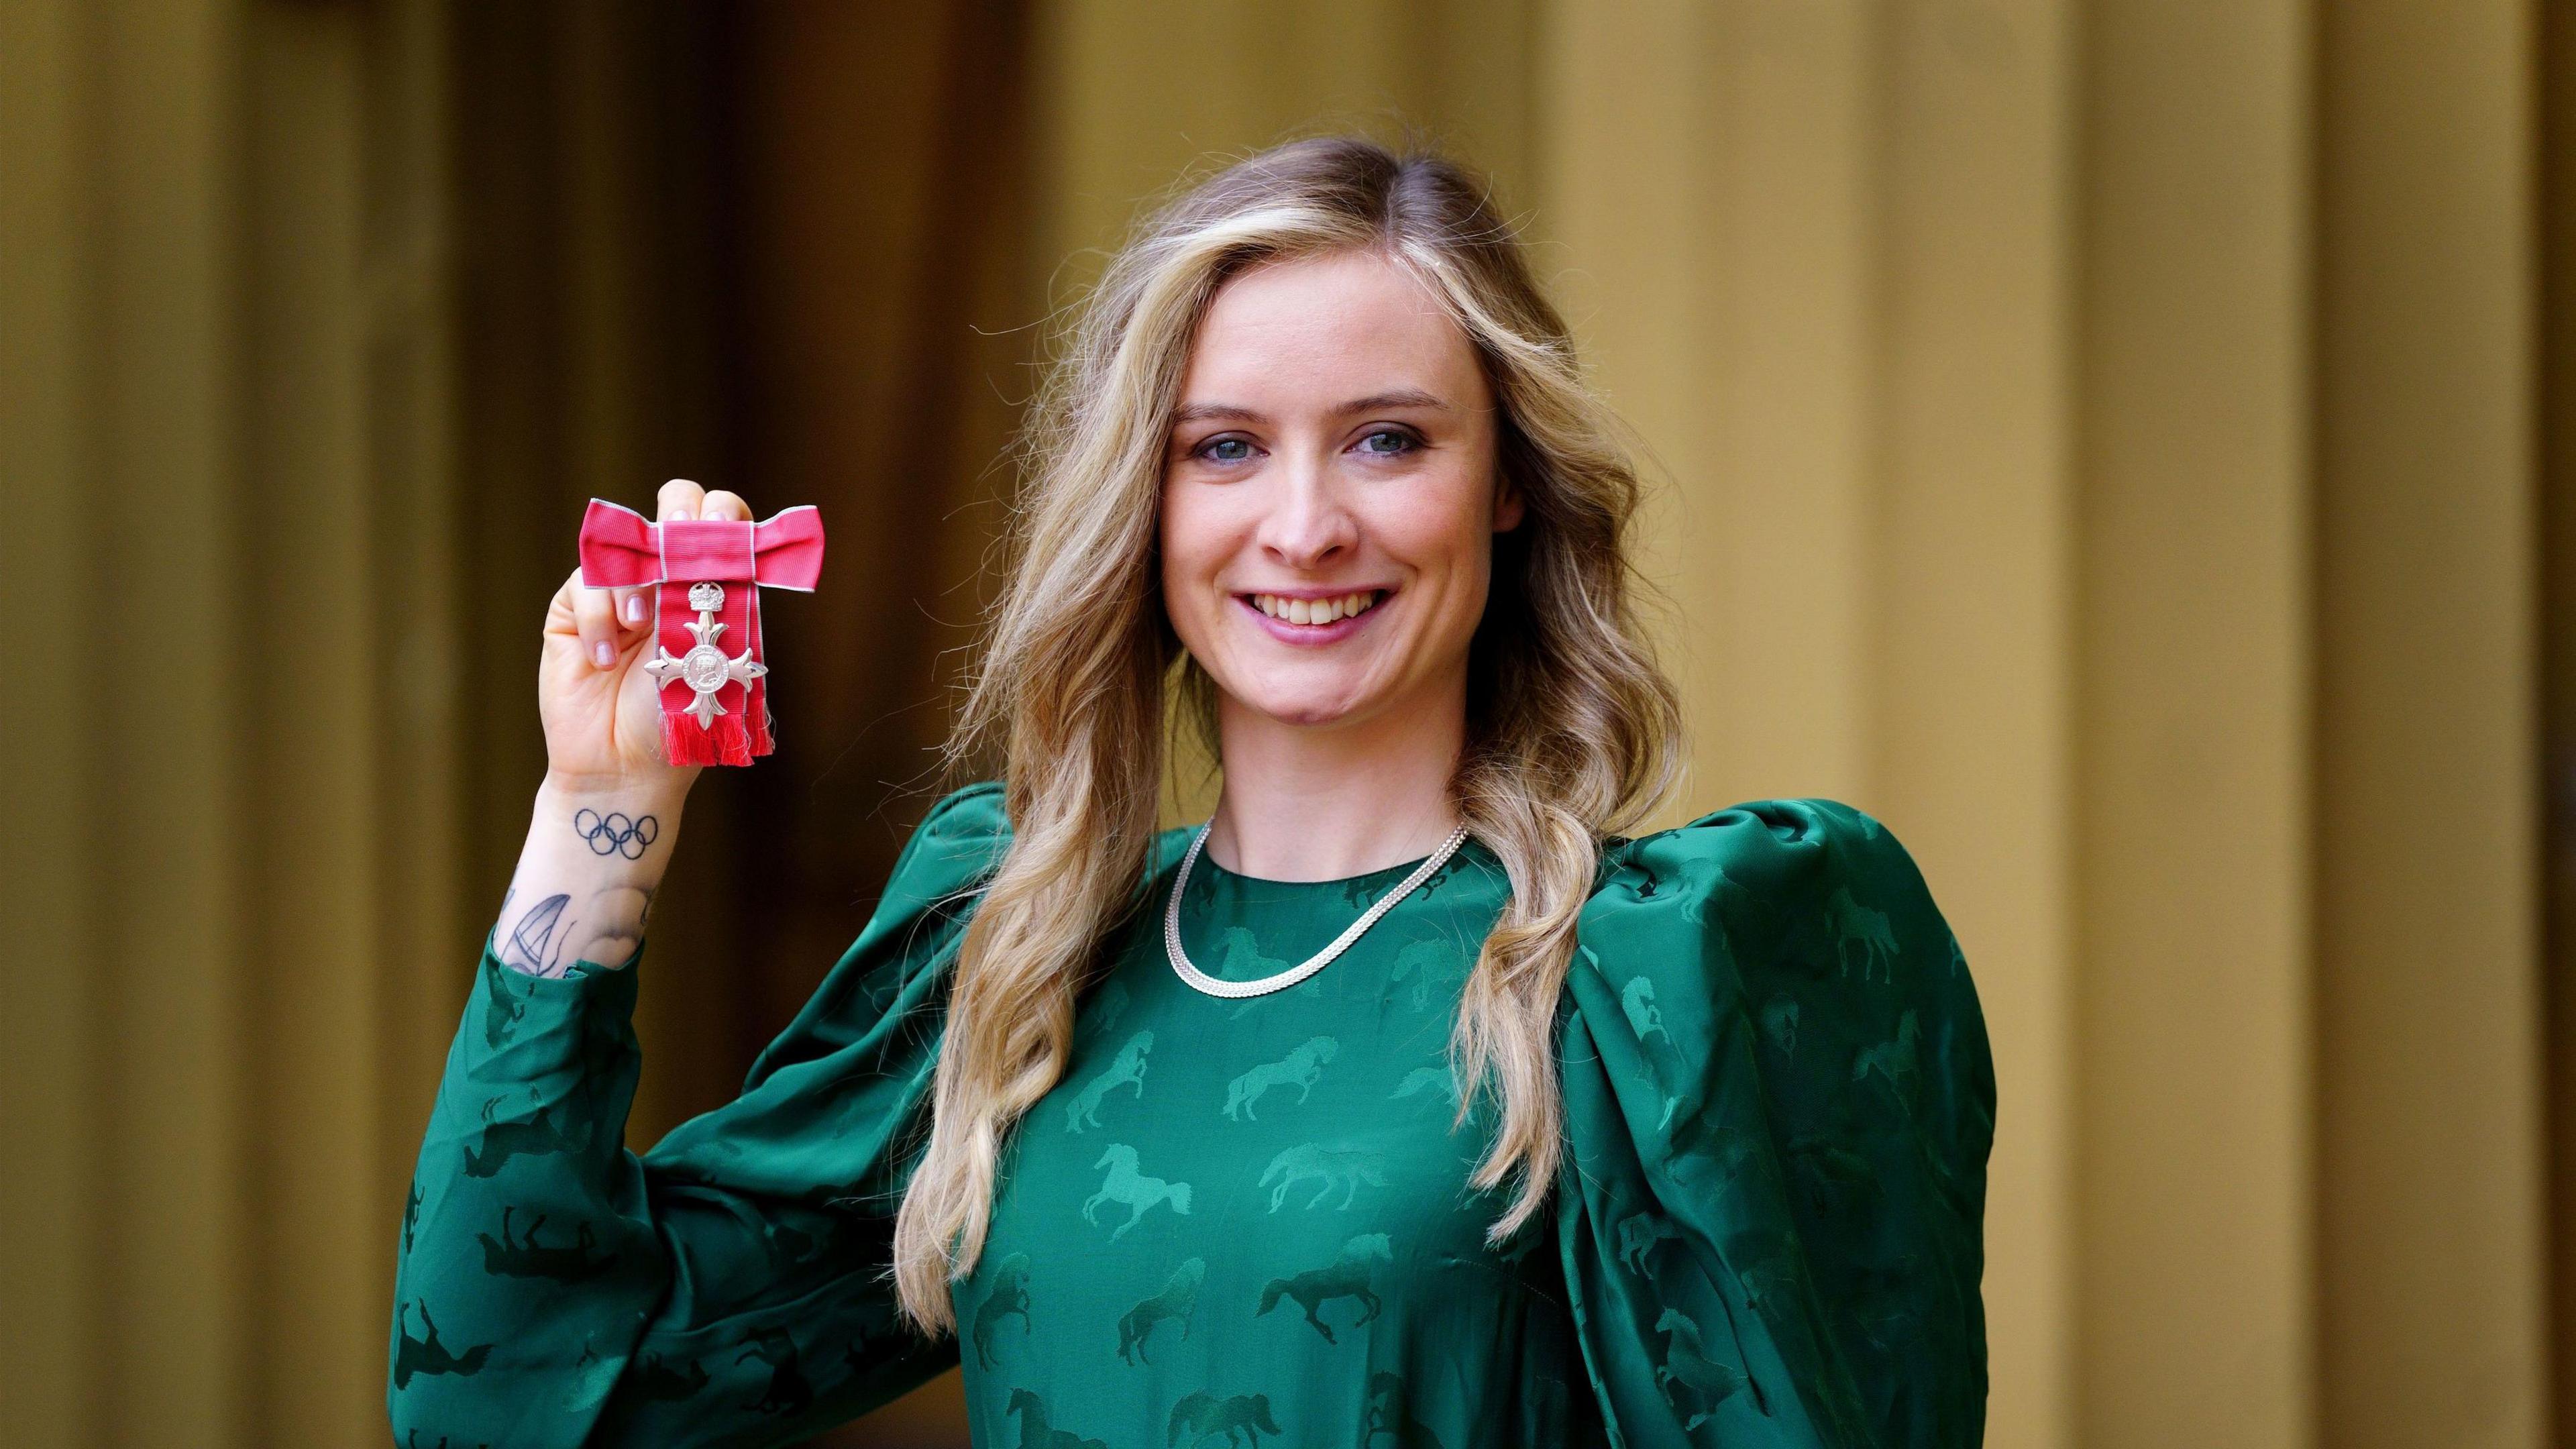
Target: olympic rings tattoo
615 834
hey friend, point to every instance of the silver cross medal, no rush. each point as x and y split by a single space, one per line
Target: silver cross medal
705 668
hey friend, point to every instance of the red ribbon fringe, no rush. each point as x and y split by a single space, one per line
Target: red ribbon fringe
726 740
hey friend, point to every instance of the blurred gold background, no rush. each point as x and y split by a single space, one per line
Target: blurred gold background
2126 444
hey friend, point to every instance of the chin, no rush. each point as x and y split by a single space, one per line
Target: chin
1305 707
1316 718
1309 714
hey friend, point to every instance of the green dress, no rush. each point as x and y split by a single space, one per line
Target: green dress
1245 1222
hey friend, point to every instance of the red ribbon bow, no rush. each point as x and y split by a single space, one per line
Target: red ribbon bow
715 701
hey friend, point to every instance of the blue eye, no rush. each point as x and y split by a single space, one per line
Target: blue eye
1225 450
1388 443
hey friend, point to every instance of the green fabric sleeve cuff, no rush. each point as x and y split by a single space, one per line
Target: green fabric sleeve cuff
507 1005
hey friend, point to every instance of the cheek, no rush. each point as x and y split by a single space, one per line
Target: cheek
1441 537
1193 548
1467 555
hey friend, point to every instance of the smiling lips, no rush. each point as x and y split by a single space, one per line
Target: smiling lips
1311 620
1316 611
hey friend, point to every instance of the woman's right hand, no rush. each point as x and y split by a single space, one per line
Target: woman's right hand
601 710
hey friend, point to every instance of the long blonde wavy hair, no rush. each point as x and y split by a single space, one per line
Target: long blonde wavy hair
1572 731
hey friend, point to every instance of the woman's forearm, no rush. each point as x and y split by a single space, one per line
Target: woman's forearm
586 877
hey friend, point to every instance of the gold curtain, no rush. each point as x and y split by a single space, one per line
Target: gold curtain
2104 439
232 791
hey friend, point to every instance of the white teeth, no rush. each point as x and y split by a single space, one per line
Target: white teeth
1316 611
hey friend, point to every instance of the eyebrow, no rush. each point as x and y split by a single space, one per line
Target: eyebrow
1374 402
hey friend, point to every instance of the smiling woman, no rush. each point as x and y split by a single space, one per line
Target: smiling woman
1406 1100
1328 512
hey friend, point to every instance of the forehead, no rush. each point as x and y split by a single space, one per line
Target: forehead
1335 326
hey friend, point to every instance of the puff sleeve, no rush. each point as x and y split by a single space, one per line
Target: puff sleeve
1780 1101
725 1287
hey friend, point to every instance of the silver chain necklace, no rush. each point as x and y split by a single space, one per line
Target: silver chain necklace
1317 962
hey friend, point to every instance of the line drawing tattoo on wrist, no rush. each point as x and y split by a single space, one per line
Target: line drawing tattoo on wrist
534 946
616 833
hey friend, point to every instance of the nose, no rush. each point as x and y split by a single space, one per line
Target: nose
1308 524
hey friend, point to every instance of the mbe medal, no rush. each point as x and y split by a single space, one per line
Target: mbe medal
715 705
705 669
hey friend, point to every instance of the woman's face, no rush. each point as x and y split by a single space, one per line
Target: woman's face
1330 494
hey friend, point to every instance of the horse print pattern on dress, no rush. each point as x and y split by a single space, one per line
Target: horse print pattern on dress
653 1380
1646 1021
1685 1360
1766 1267
1179 1299
1037 1433
1127 1069
1638 1234
1701 880
1010 1295
788 1248
1638 1000
1896 1060
1240 958
1693 1383
527 1258
1388 1416
1346 1168
538 1136
1418 963
1347 1276
1693 884
1298 1069
1241 1420
1128 1186
1439 1083
500 1024
1854 924
426 1355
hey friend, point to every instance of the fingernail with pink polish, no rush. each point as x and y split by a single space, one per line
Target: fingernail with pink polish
634 608
603 653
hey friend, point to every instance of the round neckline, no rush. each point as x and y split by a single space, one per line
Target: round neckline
1395 872
1399 871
